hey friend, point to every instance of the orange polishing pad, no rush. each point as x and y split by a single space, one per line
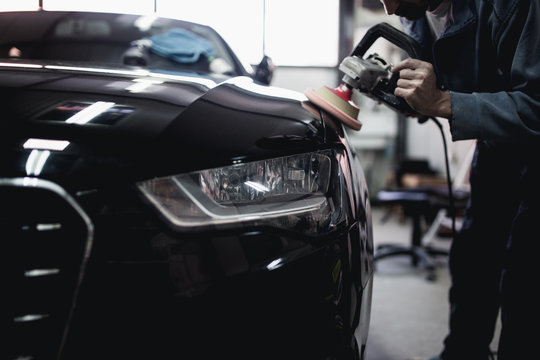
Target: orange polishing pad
336 102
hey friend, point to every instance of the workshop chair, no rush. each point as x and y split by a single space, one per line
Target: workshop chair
419 204
429 204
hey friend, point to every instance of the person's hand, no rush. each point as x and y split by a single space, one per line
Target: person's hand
417 84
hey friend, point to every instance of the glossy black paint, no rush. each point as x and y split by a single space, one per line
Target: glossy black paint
148 291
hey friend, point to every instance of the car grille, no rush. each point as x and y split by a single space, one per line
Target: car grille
45 239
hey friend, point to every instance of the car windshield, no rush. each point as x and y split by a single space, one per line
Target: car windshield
103 39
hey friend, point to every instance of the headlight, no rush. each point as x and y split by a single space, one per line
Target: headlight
299 192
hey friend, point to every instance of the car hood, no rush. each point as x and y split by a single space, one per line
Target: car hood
152 125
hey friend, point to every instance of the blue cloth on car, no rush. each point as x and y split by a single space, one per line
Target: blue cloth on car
181 45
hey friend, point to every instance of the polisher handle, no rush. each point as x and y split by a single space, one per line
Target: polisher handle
393 35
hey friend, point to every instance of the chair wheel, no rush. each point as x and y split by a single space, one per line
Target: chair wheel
431 276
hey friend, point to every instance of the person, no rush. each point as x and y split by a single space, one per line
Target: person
481 70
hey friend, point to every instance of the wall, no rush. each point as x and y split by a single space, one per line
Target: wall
301 78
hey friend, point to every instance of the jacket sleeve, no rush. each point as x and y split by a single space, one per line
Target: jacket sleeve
512 115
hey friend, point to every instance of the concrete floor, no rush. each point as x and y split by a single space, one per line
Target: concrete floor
409 313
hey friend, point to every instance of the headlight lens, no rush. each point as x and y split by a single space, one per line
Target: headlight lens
295 192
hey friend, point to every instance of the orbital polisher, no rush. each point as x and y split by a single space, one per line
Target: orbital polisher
369 76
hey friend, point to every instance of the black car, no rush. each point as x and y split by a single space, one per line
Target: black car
156 204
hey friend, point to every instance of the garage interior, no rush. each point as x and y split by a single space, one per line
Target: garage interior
409 312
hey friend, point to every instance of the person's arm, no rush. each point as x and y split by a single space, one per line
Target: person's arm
511 115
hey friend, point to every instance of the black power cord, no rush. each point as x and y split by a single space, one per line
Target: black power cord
451 204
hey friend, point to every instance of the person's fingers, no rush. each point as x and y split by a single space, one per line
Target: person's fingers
404 93
408 63
410 74
406 83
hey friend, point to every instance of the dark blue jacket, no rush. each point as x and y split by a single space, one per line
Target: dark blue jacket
489 60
